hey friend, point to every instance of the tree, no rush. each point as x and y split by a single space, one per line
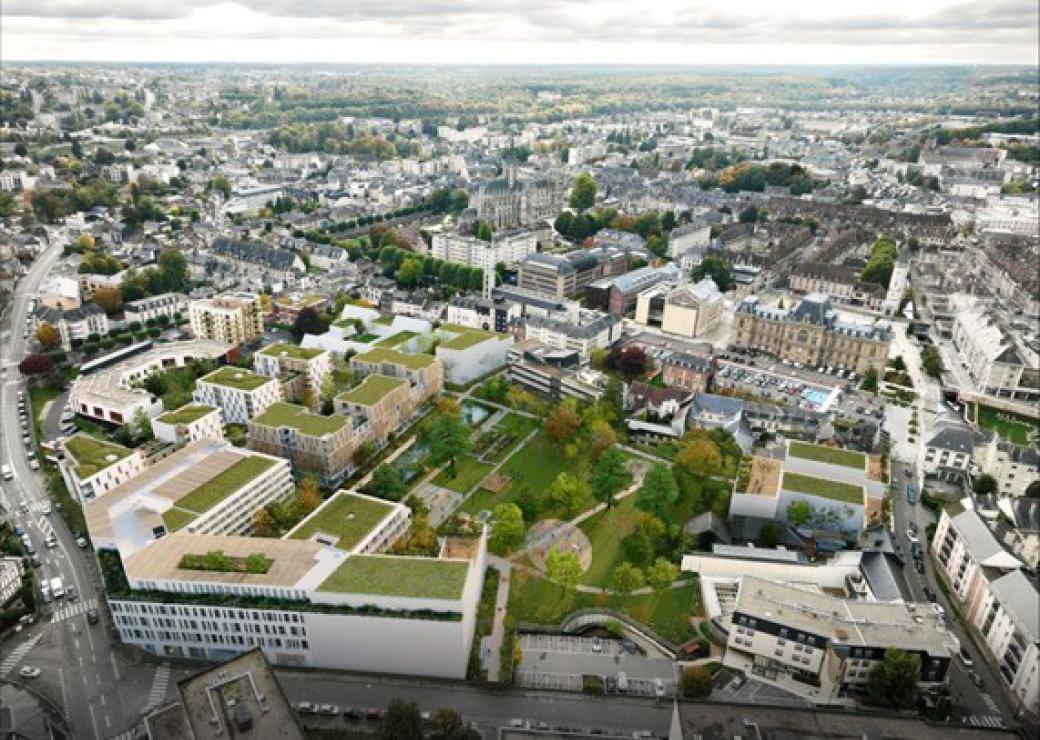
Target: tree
308 495
507 528
563 568
799 512
627 578
447 724
583 192
931 361
35 365
48 336
892 682
771 534
632 362
402 721
563 423
717 270
409 273
696 682
870 380
221 185
109 299
141 426
173 271
83 243
485 231
386 483
568 492
1033 491
701 456
309 321
749 215
984 484
662 574
446 437
609 476
658 491
264 524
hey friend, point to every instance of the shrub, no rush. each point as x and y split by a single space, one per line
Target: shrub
696 682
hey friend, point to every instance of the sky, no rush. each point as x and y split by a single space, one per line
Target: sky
524 31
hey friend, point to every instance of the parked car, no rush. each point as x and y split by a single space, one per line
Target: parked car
28 671
353 714
965 658
929 594
597 645
976 679
658 688
610 685
81 541
307 707
71 593
919 566
373 714
329 710
92 616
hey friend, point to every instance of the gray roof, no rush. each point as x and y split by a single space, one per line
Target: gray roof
953 438
1018 595
978 540
53 316
254 252
713 404
578 331
877 568
814 308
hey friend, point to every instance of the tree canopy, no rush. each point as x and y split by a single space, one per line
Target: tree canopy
583 192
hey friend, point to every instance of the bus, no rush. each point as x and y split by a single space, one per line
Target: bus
911 494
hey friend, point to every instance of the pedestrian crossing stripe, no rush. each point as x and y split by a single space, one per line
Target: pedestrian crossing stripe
16 655
73 609
159 684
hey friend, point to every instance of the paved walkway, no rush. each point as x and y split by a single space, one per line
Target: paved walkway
498 628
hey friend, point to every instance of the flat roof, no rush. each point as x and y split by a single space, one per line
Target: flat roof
832 455
397 338
186 414
465 336
835 490
291 350
92 455
372 389
383 354
236 377
390 575
346 518
283 414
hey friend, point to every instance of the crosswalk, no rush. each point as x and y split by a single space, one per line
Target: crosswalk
988 720
159 684
15 656
72 609
990 704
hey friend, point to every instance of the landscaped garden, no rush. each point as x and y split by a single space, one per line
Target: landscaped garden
823 487
830 455
345 517
426 578
468 472
1011 427
212 492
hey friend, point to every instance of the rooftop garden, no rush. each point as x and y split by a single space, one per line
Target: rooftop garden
372 390
830 455
235 377
346 518
396 339
832 489
420 578
465 337
298 417
92 455
382 354
217 561
1012 427
291 350
216 489
186 414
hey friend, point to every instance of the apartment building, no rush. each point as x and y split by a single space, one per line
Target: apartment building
565 275
74 324
302 371
840 282
812 334
239 394
188 424
422 371
323 446
995 364
288 306
685 310
91 467
380 403
153 307
964 548
947 454
468 354
494 314
508 247
694 235
1014 467
581 333
235 318
685 370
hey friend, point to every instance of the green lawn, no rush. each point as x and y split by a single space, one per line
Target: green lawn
290 350
832 489
515 426
428 578
1009 426
38 398
845 458
538 463
175 519
468 472
92 455
222 485
236 377
396 339
372 390
533 599
605 532
365 338
185 414
345 516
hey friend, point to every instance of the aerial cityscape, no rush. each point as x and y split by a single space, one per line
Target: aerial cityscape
519 371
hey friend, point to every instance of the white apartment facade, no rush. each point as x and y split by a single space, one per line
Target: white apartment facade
91 468
239 394
153 307
509 247
188 424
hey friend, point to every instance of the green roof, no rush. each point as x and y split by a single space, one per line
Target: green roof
347 517
819 453
283 414
372 389
92 455
465 337
291 350
303 300
216 489
385 575
395 339
381 354
236 377
186 414
823 487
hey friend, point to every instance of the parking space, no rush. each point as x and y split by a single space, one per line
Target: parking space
570 644
561 661
768 380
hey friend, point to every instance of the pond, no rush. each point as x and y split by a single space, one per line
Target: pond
408 464
474 413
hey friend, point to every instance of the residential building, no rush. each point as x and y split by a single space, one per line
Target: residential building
188 424
947 455
692 236
840 282
495 314
422 371
238 393
323 446
565 275
234 318
287 307
964 549
76 324
1014 467
383 403
258 256
468 354
508 247
811 334
91 468
164 304
301 371
996 365
656 414
684 309
582 332
686 370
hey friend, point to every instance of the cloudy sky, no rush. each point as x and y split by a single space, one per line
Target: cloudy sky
525 31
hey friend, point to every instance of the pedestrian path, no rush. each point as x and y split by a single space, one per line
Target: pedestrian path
159 684
15 656
72 609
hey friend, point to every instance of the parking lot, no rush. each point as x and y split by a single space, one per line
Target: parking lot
771 382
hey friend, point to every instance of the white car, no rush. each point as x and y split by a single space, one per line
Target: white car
912 536
28 671
46 507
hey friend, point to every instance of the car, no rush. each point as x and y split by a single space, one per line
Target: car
912 536
938 608
610 684
329 710
597 645
907 472
965 658
658 688
919 566
516 723
929 594
976 679
18 531
92 616
353 714
28 671
36 562
373 714
51 542
81 541
307 707
71 593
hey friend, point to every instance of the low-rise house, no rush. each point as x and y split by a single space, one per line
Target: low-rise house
74 324
164 304
239 394
91 468
495 314
656 413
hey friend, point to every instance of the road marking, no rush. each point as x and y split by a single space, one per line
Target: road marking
93 721
64 691
71 610
159 683
17 654
115 668
103 700
990 704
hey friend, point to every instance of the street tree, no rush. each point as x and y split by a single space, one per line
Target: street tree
35 365
109 299
984 484
402 721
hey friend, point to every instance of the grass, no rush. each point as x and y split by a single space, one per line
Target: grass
832 489
175 519
845 458
667 612
222 485
298 417
1013 428
186 414
236 377
291 350
92 455
347 517
364 338
392 356
468 472
372 390
464 336
396 339
38 398
538 463
511 425
420 578
605 532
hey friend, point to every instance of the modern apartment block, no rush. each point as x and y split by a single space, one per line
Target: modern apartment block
239 394
74 324
468 354
164 304
188 424
235 318
812 334
509 247
301 371
422 371
380 404
91 468
564 275
320 445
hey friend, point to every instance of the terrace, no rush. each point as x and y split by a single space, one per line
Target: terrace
186 414
299 418
829 455
345 519
290 350
764 477
204 497
372 390
92 455
824 488
408 577
233 377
